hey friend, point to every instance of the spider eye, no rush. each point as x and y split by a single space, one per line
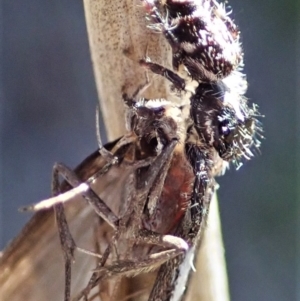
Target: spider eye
235 137
227 122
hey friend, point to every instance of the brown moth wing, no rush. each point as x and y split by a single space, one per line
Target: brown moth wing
32 265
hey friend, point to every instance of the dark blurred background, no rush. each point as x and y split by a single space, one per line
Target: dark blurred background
48 100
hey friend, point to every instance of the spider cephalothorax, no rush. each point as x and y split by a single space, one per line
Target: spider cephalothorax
225 121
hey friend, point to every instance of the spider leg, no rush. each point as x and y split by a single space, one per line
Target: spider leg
175 79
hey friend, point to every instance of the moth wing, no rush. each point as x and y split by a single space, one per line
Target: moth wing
32 266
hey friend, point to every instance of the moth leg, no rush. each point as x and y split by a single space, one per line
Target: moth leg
94 280
68 246
166 241
134 199
158 166
61 198
80 188
141 186
107 155
67 242
175 79
172 247
138 192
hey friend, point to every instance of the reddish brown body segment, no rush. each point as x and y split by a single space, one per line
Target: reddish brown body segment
175 197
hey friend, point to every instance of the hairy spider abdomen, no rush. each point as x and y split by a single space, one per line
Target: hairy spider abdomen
202 36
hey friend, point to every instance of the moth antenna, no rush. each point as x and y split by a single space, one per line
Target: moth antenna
130 102
91 253
59 199
98 135
107 155
142 88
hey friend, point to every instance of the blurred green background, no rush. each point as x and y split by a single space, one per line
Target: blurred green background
48 99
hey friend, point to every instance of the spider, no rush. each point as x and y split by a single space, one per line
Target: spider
207 60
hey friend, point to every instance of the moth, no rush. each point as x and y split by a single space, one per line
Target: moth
158 189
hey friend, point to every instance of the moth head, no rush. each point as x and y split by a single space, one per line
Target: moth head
156 122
